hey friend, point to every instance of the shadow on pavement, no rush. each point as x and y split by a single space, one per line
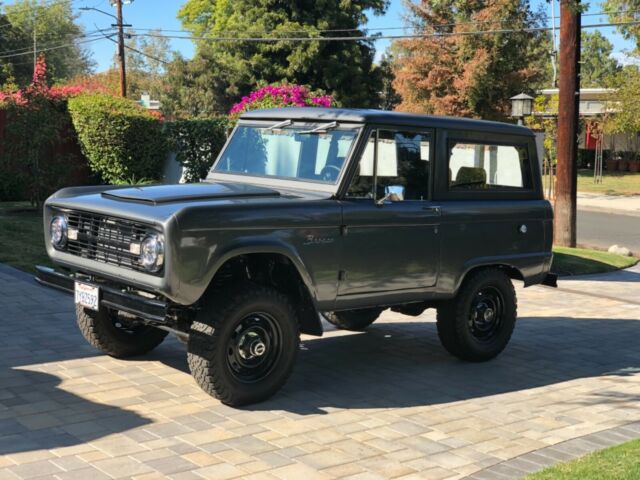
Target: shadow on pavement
36 414
37 327
397 365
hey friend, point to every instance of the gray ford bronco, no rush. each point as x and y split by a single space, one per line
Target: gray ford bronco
309 213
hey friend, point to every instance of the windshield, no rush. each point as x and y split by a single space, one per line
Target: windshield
313 153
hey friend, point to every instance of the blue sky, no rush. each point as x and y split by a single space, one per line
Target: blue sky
162 14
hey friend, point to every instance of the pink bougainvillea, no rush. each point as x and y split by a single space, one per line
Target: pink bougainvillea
40 87
281 96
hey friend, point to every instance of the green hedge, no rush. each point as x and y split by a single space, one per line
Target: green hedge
197 144
123 142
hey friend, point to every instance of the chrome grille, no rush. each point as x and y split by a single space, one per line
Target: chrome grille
105 239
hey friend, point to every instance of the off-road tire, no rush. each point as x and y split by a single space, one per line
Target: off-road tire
216 324
355 320
454 317
99 330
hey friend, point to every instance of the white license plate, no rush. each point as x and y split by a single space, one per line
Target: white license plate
88 296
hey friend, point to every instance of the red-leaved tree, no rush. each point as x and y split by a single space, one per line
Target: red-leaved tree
472 59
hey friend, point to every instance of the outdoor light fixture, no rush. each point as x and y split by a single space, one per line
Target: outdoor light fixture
521 106
124 2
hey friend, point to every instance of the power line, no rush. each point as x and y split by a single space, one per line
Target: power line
374 38
336 30
164 62
57 47
91 34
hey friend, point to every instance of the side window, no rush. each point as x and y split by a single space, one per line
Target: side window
402 170
478 166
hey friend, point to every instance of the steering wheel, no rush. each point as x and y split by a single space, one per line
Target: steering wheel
330 173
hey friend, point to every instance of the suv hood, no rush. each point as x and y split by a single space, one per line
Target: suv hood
158 194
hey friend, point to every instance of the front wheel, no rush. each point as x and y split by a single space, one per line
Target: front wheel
477 324
243 344
117 334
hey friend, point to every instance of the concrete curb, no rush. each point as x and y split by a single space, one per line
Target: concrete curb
537 460
611 211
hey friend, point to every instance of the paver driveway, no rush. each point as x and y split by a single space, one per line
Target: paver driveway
383 404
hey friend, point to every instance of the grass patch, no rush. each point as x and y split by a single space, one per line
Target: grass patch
613 183
621 463
21 236
581 261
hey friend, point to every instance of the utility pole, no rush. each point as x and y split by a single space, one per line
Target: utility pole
568 111
121 46
121 55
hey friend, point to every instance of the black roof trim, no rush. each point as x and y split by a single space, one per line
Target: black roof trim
383 117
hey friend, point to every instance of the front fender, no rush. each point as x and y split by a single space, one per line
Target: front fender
200 258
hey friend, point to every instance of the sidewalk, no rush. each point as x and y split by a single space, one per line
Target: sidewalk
616 204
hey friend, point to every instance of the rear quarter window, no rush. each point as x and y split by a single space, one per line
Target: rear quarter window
490 167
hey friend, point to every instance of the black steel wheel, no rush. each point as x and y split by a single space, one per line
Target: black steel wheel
486 313
243 344
477 324
117 335
254 347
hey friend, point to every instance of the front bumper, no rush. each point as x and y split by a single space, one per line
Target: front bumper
150 309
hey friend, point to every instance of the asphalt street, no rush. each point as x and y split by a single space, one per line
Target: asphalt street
602 229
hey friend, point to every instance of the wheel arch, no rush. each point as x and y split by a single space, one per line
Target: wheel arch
512 271
255 260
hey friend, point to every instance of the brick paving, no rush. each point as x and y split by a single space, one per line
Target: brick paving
388 403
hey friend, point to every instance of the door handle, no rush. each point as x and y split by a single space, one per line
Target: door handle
432 210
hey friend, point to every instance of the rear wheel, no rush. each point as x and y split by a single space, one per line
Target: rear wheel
477 324
243 344
354 319
117 334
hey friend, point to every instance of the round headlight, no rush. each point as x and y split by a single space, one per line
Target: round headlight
152 252
58 231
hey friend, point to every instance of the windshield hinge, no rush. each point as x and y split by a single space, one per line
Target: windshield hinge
321 128
284 123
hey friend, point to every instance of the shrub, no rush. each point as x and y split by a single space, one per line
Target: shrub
284 95
197 144
121 140
37 154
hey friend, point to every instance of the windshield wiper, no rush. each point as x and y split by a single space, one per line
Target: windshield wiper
320 128
284 123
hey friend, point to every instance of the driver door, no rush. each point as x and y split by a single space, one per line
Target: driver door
391 240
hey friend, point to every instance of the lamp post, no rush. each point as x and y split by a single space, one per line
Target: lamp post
521 106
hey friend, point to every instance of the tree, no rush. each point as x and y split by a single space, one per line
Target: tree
195 88
55 26
597 67
146 59
626 102
13 70
343 69
389 97
625 11
454 73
